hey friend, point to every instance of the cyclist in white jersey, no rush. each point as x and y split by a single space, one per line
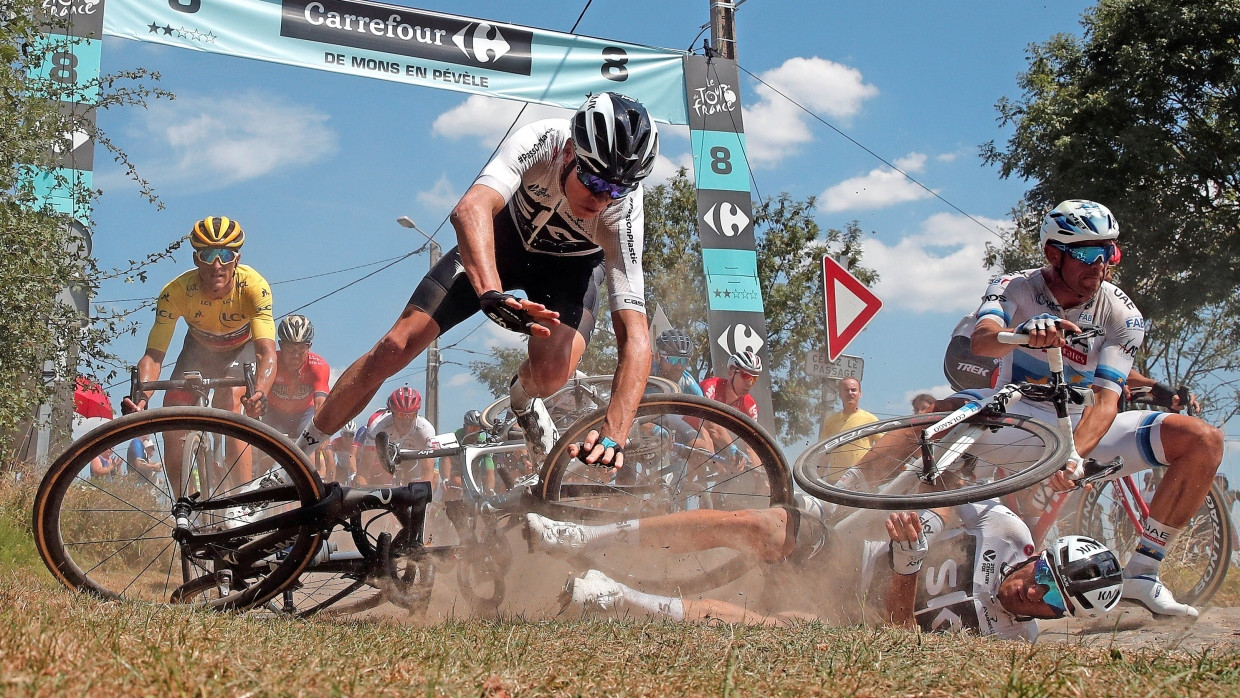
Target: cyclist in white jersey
1078 239
403 425
555 213
981 571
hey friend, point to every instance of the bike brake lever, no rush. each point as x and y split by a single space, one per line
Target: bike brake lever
1095 471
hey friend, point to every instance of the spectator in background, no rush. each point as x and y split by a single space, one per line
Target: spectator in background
105 465
923 403
141 459
849 417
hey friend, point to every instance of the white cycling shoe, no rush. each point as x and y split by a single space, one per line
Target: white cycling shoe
551 536
594 590
1147 590
540 431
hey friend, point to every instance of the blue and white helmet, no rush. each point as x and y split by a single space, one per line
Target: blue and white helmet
1079 220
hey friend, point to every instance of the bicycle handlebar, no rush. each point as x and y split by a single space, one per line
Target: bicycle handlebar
191 380
1022 339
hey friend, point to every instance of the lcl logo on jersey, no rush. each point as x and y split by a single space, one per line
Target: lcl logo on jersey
740 337
482 42
725 218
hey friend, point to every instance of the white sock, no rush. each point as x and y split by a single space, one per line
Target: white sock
667 606
604 535
311 438
1151 548
517 396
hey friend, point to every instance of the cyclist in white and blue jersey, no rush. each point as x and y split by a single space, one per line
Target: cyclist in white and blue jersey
1078 239
672 351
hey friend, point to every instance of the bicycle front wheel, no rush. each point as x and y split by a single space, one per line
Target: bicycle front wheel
877 466
116 537
1196 561
684 453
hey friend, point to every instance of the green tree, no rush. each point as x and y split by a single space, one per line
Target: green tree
42 252
1143 115
791 246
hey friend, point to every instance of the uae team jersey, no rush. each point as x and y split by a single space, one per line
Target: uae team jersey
529 171
219 323
296 392
960 576
419 435
1101 361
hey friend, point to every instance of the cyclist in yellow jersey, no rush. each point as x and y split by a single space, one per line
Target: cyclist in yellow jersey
227 306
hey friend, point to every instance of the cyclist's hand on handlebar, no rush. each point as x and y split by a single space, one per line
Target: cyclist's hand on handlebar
1046 330
518 314
598 450
256 404
129 407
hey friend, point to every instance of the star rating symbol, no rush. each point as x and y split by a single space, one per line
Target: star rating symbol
167 29
152 28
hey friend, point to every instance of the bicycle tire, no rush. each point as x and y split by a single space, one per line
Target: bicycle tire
1196 562
668 479
125 549
497 416
816 473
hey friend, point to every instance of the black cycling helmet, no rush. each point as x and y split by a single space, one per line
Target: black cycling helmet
674 343
615 139
964 369
473 418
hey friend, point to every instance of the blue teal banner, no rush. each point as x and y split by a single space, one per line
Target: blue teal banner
413 46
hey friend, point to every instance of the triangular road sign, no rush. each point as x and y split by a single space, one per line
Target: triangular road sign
850 306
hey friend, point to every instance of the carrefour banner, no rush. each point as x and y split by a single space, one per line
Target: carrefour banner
413 46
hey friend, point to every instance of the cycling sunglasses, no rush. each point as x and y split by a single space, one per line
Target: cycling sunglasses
1088 254
210 254
677 360
1042 575
598 185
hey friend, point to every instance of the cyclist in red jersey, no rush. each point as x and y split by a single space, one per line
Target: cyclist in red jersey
302 376
744 368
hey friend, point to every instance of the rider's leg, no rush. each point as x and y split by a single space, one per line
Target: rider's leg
764 533
239 461
551 362
412 333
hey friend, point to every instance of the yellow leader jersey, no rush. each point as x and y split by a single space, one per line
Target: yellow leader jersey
217 323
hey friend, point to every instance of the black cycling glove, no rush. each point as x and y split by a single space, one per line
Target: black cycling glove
495 306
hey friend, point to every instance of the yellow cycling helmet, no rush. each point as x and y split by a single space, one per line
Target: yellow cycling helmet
217 231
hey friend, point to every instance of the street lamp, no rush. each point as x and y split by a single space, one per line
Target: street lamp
432 352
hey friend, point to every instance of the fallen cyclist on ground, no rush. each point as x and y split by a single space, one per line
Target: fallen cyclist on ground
981 570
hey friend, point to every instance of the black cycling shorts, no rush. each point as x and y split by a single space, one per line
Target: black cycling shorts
195 356
964 369
567 285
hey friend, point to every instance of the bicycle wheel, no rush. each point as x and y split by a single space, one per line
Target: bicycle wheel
683 454
579 397
116 537
1196 562
875 466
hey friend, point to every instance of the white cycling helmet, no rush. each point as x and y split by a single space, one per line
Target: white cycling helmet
747 361
349 429
1078 220
1087 573
296 329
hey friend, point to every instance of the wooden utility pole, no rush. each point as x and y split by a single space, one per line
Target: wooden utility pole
723 28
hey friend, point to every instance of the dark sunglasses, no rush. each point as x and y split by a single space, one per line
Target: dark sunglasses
210 254
1088 254
598 185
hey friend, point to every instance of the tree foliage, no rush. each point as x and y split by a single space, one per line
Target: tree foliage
42 252
1143 115
791 246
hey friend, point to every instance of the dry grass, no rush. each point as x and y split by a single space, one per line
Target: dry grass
53 642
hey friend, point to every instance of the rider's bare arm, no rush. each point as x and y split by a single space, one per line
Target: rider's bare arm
985 340
632 370
264 375
473 219
148 370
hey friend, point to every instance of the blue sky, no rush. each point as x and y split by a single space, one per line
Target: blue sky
318 166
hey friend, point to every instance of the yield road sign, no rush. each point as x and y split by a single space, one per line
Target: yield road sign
850 306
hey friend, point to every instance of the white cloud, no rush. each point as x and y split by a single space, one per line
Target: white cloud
495 336
938 269
488 118
938 391
879 188
216 141
776 127
441 197
460 379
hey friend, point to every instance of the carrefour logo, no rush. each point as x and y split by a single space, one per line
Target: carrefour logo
725 218
739 337
408 32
